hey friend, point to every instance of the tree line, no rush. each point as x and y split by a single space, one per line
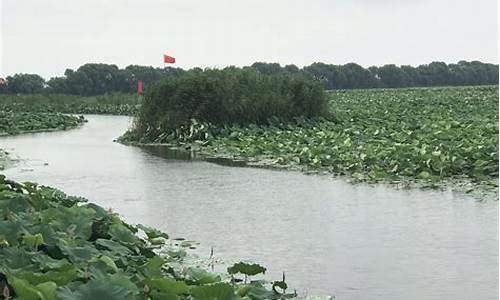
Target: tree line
95 79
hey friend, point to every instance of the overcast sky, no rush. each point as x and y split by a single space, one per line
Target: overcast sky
48 36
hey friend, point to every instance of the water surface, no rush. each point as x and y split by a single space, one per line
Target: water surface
331 237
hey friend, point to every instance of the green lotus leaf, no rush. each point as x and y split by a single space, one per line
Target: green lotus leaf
152 268
201 276
48 290
96 289
46 262
217 291
78 254
152 233
167 285
33 240
25 290
246 269
123 235
115 247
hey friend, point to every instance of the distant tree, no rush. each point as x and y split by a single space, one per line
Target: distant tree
196 69
171 71
412 75
25 83
95 79
357 76
146 74
440 73
267 68
331 75
483 73
374 73
57 85
292 69
77 82
3 86
392 76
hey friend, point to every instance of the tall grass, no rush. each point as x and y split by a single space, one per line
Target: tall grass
228 96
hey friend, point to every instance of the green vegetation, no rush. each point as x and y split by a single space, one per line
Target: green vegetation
17 122
54 246
115 104
229 96
353 76
97 79
412 135
5 161
24 122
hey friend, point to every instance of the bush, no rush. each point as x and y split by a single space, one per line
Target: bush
228 96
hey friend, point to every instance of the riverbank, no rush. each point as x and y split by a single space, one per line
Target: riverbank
55 246
445 137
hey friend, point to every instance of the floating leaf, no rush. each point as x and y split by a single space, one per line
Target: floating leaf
246 269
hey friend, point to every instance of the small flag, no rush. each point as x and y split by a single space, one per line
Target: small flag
140 87
168 59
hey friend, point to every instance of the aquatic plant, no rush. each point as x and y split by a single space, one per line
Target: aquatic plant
228 96
425 135
21 122
54 246
113 104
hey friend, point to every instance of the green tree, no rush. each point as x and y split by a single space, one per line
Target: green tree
357 76
57 85
391 76
267 68
25 83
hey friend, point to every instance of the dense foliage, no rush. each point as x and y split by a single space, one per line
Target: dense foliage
115 104
23 83
353 76
426 135
229 96
95 79
53 246
20 122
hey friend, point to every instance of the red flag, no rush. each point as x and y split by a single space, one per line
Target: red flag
140 87
168 59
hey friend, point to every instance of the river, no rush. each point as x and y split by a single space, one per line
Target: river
330 237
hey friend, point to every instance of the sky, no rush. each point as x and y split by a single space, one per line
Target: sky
48 36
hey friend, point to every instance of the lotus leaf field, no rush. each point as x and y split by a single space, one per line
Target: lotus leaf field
24 122
54 246
423 135
112 104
